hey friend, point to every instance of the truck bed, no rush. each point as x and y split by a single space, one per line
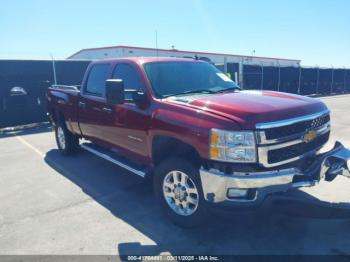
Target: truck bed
64 105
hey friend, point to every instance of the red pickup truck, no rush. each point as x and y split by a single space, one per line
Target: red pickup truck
202 140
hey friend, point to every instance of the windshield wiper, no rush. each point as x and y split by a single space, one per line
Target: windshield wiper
228 89
198 91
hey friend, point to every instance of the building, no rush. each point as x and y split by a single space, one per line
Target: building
216 58
220 60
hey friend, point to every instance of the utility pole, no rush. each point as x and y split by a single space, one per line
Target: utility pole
332 79
299 86
262 76
279 76
318 80
241 73
225 65
54 69
344 80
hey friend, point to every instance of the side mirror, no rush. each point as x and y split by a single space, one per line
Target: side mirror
115 91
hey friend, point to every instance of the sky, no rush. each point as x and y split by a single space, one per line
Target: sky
314 31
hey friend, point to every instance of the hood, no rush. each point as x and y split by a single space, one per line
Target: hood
251 107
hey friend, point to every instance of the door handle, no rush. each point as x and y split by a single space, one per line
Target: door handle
82 104
107 110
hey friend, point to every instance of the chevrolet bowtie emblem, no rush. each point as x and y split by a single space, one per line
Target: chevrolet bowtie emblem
309 136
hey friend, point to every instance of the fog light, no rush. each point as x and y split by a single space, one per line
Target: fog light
235 193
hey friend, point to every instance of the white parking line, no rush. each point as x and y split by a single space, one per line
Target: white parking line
42 155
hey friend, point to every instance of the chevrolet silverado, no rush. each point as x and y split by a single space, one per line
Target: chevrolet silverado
202 140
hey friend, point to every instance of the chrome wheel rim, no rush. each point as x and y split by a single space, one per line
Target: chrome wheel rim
61 138
180 193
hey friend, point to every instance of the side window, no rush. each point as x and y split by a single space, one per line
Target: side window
130 77
96 80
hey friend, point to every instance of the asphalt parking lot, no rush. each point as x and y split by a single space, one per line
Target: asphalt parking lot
50 204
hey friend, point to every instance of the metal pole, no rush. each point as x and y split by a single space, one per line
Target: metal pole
318 80
241 73
54 69
262 77
279 76
299 80
344 80
225 65
332 80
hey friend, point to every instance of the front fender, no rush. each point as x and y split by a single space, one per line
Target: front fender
188 125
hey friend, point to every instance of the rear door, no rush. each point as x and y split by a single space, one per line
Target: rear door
94 114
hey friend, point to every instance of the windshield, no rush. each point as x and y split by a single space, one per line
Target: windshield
178 78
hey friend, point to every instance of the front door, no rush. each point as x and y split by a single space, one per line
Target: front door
132 120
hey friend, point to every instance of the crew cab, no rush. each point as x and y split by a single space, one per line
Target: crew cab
202 140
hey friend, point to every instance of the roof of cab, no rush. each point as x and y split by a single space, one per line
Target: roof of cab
142 60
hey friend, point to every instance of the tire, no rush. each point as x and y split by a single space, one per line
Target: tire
184 205
67 143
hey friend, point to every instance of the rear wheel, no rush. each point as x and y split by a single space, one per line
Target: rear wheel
178 189
67 142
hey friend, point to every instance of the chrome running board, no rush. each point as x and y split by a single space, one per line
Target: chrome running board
113 158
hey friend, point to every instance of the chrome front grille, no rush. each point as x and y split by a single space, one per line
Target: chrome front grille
283 142
290 152
296 128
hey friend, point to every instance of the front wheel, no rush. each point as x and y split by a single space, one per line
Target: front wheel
67 142
178 189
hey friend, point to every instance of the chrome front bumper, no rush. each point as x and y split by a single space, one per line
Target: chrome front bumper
326 166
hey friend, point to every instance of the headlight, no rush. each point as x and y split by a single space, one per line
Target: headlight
229 146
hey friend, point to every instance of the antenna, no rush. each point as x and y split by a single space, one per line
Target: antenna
54 69
156 36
